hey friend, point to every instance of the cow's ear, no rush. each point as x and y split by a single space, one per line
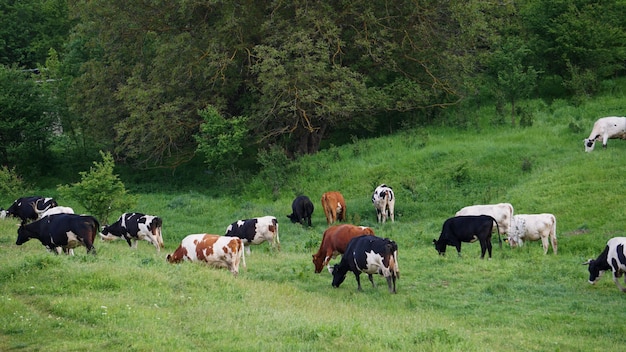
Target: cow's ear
588 262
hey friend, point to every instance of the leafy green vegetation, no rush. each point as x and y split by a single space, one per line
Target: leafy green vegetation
133 300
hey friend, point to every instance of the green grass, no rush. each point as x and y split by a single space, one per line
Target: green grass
521 300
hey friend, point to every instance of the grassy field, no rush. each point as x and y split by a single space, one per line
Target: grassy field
521 300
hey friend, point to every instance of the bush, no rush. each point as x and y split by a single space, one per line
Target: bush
11 184
100 192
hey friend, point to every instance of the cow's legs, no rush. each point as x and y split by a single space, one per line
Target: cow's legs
546 243
371 277
458 248
616 276
358 281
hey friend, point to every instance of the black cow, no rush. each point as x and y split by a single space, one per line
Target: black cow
65 231
302 209
468 228
135 226
371 255
29 208
255 231
612 258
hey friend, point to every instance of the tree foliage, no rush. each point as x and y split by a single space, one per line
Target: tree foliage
134 78
100 191
221 140
26 120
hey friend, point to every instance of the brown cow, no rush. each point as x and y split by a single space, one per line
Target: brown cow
335 241
334 207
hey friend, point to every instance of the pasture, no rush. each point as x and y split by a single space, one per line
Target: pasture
133 300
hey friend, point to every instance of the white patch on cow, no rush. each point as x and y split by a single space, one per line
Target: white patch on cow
375 265
56 210
240 223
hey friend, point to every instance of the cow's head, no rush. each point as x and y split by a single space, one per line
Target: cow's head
318 261
594 271
23 235
440 246
293 218
514 241
589 144
338 275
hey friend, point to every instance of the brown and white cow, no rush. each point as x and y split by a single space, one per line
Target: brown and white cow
532 227
334 207
335 241
502 213
215 250
384 201
255 231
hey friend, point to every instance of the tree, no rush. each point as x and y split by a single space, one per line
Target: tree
29 29
221 140
512 79
100 191
26 121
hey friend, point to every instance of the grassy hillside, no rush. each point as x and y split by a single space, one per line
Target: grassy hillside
133 300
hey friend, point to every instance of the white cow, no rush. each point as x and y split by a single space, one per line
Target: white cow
384 201
532 227
606 128
56 210
502 213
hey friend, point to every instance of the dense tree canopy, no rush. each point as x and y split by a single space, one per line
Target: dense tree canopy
136 78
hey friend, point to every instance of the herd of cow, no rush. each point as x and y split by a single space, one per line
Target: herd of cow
60 230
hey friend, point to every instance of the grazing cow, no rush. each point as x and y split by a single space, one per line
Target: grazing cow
468 228
502 213
370 255
56 210
220 251
606 128
335 241
135 227
334 207
29 208
301 210
614 258
532 227
255 231
61 231
384 201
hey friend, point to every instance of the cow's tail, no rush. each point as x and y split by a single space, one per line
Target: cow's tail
95 229
498 229
553 235
242 255
276 238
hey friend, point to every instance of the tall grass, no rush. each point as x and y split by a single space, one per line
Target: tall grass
133 300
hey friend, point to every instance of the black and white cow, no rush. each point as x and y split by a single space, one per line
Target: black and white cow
255 231
135 227
384 201
61 232
468 228
29 208
612 258
301 210
371 255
